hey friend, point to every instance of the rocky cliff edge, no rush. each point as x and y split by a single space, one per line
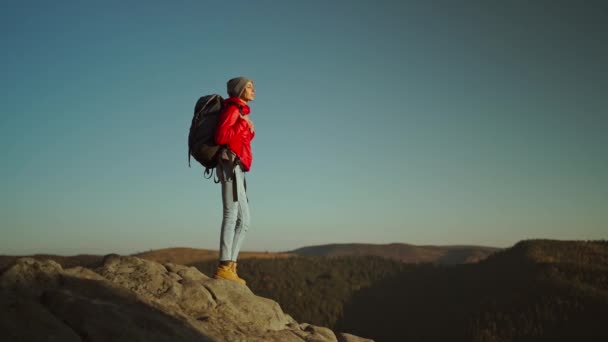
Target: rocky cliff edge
132 299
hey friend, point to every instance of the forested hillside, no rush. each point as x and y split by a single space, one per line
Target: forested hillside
538 290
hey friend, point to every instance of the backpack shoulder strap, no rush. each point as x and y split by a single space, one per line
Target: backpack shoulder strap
237 105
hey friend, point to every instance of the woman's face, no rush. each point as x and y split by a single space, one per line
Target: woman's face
248 93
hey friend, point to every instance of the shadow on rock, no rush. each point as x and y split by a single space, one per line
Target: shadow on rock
41 302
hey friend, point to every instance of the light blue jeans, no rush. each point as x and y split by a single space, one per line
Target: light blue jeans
235 221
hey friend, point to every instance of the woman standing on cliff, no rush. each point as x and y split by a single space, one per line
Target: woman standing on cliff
235 130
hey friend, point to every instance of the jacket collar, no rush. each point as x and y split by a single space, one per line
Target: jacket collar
242 104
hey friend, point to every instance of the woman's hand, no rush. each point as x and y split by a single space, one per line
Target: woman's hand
249 122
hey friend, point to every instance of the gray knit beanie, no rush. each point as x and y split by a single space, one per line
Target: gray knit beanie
236 86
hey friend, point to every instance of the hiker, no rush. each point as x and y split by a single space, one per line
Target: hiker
234 130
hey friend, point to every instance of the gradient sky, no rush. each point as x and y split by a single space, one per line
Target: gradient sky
423 122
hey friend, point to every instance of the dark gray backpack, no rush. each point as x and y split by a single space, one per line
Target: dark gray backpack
201 139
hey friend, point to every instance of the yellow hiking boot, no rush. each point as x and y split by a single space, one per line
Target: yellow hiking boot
225 272
233 268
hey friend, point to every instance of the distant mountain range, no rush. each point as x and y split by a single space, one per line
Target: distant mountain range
188 256
446 255
176 255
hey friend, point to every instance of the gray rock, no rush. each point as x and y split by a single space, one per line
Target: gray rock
118 319
133 299
29 276
24 319
344 337
186 272
312 333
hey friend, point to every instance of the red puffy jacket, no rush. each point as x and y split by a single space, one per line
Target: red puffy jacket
233 130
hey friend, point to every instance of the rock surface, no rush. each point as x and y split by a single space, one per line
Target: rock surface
133 299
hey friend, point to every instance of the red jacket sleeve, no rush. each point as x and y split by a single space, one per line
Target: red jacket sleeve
229 125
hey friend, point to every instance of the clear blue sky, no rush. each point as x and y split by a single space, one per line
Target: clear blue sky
424 122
